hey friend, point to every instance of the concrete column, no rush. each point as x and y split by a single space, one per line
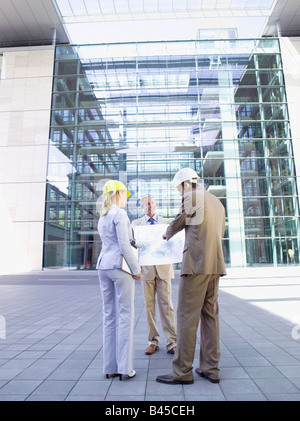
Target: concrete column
25 105
278 28
54 37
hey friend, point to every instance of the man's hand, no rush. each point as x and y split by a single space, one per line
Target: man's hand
138 276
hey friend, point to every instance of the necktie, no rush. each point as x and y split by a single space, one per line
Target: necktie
152 222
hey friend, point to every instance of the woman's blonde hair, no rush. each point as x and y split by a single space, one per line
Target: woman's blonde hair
107 201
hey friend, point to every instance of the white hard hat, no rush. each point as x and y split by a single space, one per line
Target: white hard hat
185 174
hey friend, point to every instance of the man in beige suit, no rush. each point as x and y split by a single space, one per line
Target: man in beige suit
156 280
203 217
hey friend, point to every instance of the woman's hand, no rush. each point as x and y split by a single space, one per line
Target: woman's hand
138 276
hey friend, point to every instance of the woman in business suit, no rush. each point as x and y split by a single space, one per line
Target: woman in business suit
117 287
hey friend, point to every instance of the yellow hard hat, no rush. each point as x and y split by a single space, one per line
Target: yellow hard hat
113 185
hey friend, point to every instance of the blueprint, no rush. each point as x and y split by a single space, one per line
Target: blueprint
156 251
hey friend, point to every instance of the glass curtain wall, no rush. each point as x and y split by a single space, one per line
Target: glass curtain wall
139 112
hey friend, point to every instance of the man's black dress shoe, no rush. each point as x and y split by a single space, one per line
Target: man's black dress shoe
198 371
169 379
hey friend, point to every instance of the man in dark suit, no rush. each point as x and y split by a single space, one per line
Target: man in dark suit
203 217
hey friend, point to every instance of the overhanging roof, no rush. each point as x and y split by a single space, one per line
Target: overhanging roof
287 13
30 22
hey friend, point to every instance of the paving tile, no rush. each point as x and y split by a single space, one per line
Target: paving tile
163 398
52 354
68 363
273 352
245 352
253 361
289 370
46 398
90 388
30 355
295 351
83 355
35 373
57 387
229 362
93 374
10 398
121 398
264 344
155 388
283 396
197 398
225 353
239 387
84 398
97 363
202 387
127 387
269 372
141 363
9 354
19 387
67 374
87 347
39 347
233 373
295 381
276 386
48 364
17 347
9 373
17 363
248 397
283 360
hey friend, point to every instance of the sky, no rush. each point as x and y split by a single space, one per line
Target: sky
86 25
156 30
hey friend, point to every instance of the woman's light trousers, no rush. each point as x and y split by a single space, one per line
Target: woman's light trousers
117 289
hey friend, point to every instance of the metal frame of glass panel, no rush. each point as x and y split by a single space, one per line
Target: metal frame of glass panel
140 112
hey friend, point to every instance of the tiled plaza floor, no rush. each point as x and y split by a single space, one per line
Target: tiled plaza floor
51 341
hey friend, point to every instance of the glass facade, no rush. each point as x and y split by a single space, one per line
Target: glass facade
139 112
